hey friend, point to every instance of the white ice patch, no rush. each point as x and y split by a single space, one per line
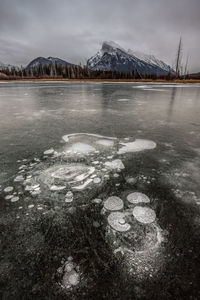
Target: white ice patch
123 100
75 175
14 199
66 137
55 188
136 197
19 178
115 164
116 221
137 145
113 203
8 197
97 180
31 206
70 173
49 151
82 186
80 148
144 215
8 189
105 142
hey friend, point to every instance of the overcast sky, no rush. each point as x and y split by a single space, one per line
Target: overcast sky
75 29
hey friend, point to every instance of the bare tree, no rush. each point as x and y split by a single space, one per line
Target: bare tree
186 67
178 58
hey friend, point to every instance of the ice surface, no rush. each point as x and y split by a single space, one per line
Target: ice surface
123 100
137 145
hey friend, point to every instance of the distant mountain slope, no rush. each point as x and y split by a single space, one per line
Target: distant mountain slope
3 76
113 57
7 66
152 60
42 61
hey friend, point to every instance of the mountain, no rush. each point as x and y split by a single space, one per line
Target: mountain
5 66
3 76
152 60
42 61
113 57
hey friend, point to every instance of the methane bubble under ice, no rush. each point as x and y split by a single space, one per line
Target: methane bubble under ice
59 175
113 203
136 197
144 215
116 221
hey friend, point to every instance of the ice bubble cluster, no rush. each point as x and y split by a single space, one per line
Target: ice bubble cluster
49 151
8 189
144 214
113 203
117 221
56 177
115 164
69 197
71 276
136 197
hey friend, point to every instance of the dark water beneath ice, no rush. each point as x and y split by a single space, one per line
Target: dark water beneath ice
35 116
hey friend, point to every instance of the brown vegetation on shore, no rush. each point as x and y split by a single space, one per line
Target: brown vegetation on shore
12 78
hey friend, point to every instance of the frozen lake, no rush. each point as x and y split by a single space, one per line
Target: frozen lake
164 164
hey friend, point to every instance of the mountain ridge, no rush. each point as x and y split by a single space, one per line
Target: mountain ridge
43 61
112 57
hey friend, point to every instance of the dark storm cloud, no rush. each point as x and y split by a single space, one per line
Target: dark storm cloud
75 29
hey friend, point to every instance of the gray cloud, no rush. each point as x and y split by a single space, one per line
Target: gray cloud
74 29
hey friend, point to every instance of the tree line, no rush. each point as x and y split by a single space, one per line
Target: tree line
75 72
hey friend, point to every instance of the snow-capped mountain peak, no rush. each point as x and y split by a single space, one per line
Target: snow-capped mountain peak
112 57
150 59
111 46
